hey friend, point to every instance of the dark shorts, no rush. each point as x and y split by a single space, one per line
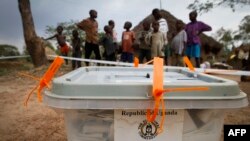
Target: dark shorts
127 57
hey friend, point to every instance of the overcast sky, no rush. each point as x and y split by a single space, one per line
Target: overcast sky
51 12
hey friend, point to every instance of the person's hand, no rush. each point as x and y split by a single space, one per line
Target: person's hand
165 42
198 33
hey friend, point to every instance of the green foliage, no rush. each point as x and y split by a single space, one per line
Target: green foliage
3 71
225 37
68 27
204 6
244 30
101 34
228 37
8 50
25 52
245 24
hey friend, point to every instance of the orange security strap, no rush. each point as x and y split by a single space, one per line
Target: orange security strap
45 80
188 63
158 91
47 77
136 62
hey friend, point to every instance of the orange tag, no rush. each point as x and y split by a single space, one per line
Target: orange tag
136 62
45 80
157 91
158 76
47 77
188 63
186 89
157 87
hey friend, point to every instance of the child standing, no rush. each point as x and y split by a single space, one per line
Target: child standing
61 40
114 33
108 44
76 44
194 29
144 46
128 38
157 41
178 43
163 27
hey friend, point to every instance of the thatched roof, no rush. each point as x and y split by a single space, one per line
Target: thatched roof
209 45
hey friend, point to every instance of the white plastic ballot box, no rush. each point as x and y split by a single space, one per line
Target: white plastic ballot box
110 103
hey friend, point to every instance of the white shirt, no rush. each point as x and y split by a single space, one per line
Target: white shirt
163 28
178 42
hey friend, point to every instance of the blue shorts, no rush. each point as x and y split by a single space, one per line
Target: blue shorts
193 51
127 57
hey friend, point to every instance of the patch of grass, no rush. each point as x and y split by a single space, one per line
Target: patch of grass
3 71
7 67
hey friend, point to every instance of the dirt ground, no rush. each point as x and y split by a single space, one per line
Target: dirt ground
38 122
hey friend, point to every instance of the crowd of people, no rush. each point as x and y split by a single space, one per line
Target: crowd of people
153 40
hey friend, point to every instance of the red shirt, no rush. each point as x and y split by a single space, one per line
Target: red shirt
128 38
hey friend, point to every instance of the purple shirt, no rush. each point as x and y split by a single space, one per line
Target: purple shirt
193 30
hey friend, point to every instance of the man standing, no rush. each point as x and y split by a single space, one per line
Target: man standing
163 28
90 26
194 29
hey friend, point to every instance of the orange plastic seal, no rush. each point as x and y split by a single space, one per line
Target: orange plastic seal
136 62
158 91
188 63
157 87
47 77
45 80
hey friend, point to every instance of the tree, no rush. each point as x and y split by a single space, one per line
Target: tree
68 27
226 37
35 45
244 30
204 6
230 38
8 50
